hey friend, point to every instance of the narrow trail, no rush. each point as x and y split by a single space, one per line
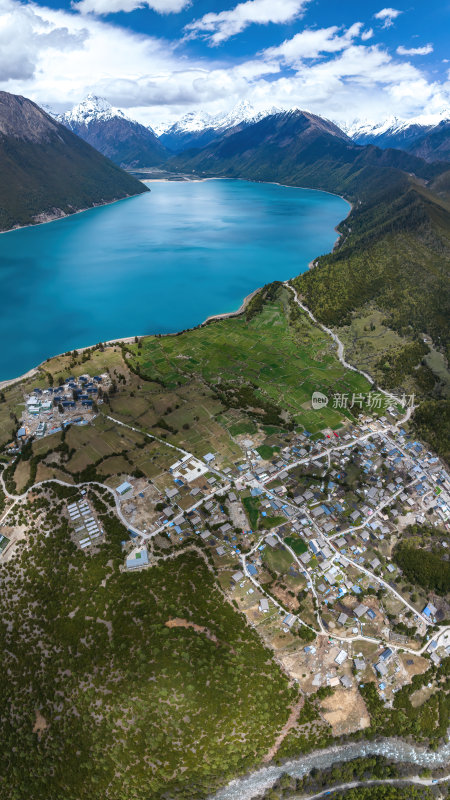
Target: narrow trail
288 725
340 351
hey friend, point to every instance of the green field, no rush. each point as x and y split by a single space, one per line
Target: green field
270 522
91 452
277 559
296 544
275 358
199 389
251 505
267 452
240 428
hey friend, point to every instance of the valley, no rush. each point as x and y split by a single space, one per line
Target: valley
224 539
199 489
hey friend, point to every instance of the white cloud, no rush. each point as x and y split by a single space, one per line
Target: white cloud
367 34
387 16
113 6
313 43
415 51
24 33
359 81
56 57
220 27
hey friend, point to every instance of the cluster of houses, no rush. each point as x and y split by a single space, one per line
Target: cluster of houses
339 499
343 528
86 529
50 410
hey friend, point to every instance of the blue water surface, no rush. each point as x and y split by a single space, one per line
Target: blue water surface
157 263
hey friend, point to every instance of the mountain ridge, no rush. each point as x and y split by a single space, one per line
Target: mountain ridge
133 145
299 148
407 134
112 133
47 171
435 144
198 129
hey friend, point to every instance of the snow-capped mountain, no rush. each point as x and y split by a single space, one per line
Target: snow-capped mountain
243 112
197 129
292 146
399 133
110 131
91 109
192 122
131 144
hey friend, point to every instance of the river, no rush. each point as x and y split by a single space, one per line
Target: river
256 783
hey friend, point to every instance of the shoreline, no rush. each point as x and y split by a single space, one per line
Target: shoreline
188 179
227 314
34 370
130 339
72 213
125 339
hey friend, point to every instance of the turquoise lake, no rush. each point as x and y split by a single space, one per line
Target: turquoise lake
157 263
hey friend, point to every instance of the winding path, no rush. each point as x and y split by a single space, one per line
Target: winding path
340 351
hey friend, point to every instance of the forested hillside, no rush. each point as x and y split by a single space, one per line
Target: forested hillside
46 171
386 284
394 250
299 149
394 257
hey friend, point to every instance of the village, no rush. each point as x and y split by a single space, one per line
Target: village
301 532
303 544
51 410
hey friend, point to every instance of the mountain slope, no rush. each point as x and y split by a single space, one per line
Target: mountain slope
407 135
124 141
392 132
46 171
198 129
298 148
394 251
192 130
385 287
435 144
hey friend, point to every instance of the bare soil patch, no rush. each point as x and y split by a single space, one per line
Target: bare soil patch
345 711
419 697
178 622
40 724
284 597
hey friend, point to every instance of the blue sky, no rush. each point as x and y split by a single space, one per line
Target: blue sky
159 59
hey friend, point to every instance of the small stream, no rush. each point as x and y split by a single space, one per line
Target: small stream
257 782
